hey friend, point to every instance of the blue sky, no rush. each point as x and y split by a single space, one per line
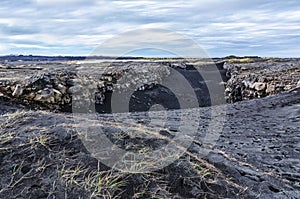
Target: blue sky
77 27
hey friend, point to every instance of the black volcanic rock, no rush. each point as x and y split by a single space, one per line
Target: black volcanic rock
255 154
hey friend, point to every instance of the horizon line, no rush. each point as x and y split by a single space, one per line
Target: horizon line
138 56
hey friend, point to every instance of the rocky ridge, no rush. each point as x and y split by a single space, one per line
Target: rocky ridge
257 80
53 88
57 89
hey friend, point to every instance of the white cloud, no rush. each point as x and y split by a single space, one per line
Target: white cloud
30 46
3 47
222 27
60 2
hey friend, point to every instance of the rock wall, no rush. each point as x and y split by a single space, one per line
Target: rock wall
67 89
55 90
257 80
243 81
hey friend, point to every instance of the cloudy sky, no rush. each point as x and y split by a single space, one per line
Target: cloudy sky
220 27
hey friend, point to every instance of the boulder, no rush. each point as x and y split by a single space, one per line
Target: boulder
18 91
270 88
259 86
288 87
75 89
45 95
62 88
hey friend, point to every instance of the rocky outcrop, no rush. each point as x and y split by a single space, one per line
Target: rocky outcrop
67 89
54 90
257 80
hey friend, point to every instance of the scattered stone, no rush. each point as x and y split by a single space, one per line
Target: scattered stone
45 95
261 79
259 86
288 87
75 89
18 91
62 88
270 88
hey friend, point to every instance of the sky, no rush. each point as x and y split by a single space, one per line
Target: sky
266 28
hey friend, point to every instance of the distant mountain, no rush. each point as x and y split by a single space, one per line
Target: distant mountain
56 58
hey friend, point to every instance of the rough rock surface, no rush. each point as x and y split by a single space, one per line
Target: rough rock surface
51 90
256 155
92 85
261 79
